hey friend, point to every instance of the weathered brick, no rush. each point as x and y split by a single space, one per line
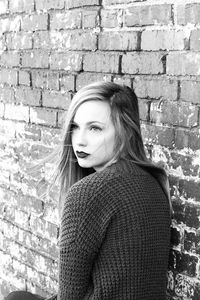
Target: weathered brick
3 7
163 40
122 80
183 262
86 78
2 42
49 4
56 99
17 112
67 82
187 138
10 24
79 3
34 22
19 40
35 59
45 79
43 116
190 91
144 109
183 63
110 2
28 96
90 19
188 13
156 88
9 76
43 228
195 40
6 94
119 41
99 62
110 18
155 134
148 15
44 39
21 5
191 242
190 189
67 20
10 59
24 77
83 40
66 61
175 237
183 163
2 109
143 63
192 216
174 113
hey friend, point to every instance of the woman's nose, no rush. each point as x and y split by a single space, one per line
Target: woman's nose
81 138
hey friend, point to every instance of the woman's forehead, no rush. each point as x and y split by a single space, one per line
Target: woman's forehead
93 110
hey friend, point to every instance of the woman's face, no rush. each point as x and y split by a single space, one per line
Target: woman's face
93 134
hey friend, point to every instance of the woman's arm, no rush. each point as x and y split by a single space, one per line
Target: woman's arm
83 227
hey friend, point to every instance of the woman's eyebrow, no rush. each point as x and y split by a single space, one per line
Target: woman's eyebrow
90 122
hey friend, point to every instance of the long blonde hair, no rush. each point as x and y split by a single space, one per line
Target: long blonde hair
129 144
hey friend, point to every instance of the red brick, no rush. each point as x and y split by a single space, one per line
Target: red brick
10 24
148 15
35 59
6 94
163 40
45 79
24 77
10 59
188 14
67 20
156 88
28 96
3 7
90 19
143 63
86 78
118 41
66 61
110 18
43 116
49 4
34 22
19 40
80 3
174 113
190 91
195 40
67 82
183 63
17 112
21 5
99 62
55 99
8 76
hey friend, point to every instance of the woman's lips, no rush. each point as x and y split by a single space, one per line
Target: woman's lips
81 154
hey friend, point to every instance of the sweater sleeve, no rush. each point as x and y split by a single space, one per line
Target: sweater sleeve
83 226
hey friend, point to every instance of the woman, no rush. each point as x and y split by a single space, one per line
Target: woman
115 225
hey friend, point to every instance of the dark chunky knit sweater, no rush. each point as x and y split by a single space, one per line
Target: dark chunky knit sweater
115 233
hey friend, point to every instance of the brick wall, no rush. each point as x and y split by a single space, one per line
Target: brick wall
48 50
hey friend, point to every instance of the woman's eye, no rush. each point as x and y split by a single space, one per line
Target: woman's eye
74 126
95 128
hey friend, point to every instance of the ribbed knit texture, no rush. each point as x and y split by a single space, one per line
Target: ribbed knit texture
115 234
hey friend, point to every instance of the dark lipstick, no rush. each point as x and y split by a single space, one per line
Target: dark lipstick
81 154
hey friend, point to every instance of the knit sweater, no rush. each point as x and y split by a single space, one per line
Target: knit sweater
115 233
